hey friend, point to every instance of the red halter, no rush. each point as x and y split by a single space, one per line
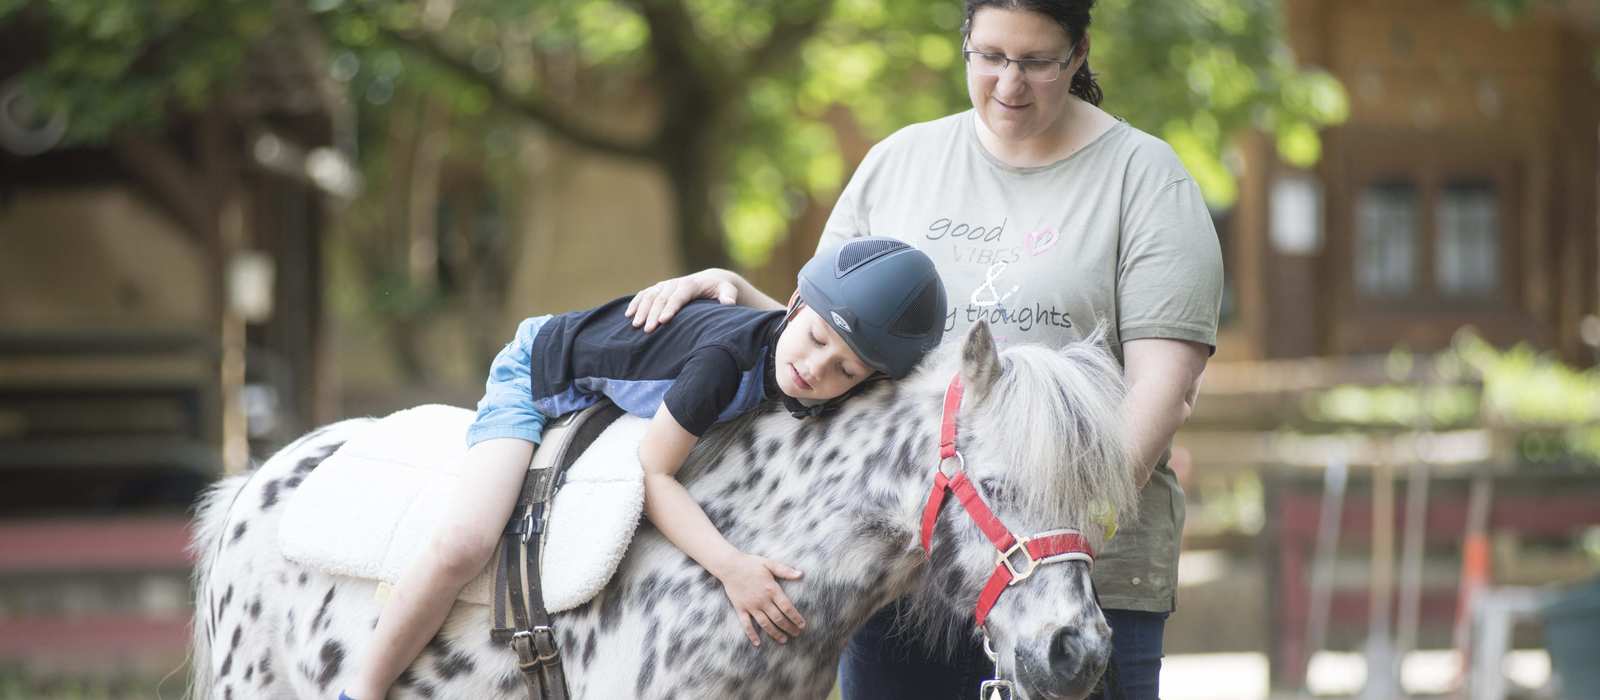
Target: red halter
1043 548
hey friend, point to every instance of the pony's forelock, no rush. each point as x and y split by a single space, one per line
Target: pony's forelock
1051 428
1056 418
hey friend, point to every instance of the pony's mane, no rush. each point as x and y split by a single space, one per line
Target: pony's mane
1069 402
1054 416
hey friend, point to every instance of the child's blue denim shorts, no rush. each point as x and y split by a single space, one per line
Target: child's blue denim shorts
506 409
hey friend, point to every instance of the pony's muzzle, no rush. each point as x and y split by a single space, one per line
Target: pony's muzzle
1078 659
1068 664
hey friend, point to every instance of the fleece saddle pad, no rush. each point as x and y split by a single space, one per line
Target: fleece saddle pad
370 508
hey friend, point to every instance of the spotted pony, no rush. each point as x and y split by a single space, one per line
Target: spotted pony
840 497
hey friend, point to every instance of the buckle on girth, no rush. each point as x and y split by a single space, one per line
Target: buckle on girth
538 643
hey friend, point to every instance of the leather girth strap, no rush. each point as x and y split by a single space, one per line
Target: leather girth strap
517 581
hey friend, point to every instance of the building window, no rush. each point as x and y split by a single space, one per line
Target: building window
1386 241
1466 263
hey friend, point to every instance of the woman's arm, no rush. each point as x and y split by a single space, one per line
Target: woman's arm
1163 382
656 304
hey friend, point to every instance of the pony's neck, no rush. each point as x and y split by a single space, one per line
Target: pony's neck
838 497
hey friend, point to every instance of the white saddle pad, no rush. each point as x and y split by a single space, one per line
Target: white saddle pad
369 509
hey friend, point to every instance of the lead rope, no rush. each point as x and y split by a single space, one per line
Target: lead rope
1001 689
997 688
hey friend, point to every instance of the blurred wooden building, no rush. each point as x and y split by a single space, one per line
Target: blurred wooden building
161 307
140 264
1460 191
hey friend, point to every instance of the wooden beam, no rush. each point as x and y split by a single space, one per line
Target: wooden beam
172 183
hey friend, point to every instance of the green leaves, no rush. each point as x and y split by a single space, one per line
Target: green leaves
1552 409
1194 72
117 64
1197 72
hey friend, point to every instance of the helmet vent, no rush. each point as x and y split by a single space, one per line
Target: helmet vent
922 316
859 252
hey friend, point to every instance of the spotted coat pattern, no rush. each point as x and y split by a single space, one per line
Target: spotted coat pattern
838 497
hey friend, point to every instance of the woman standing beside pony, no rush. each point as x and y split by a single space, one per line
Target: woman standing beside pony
1045 216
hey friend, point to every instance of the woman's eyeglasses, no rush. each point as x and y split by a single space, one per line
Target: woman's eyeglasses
1034 70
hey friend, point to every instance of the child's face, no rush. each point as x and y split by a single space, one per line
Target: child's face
814 362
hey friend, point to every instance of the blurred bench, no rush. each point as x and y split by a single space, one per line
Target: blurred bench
105 437
59 387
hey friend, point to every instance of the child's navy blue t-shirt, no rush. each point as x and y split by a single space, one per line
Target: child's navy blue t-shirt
711 363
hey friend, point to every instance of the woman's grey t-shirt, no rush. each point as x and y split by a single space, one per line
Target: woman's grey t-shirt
1117 232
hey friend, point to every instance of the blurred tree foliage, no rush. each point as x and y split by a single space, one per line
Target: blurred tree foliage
746 97
1552 410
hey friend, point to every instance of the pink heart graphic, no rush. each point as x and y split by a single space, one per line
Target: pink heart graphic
1040 241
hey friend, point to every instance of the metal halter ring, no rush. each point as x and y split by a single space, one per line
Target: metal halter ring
1005 560
961 465
988 649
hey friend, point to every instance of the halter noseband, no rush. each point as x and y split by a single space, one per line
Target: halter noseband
1017 556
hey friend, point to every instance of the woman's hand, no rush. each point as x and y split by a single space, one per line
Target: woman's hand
751 583
655 305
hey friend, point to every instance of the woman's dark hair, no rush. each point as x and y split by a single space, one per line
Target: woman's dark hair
1072 15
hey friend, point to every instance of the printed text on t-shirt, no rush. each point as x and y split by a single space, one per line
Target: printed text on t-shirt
1024 318
963 236
942 228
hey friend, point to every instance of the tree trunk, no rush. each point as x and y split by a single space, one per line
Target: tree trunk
688 155
430 145
700 234
405 340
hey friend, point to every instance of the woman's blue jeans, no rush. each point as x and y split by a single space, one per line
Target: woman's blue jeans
879 664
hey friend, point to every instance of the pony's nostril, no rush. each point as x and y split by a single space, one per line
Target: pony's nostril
1064 652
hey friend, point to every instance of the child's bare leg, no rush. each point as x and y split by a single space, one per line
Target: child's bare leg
460 547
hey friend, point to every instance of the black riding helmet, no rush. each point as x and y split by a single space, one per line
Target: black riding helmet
882 296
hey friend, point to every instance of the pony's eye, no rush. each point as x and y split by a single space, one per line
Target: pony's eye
992 489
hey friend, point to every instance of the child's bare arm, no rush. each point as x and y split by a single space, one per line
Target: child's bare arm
751 581
674 512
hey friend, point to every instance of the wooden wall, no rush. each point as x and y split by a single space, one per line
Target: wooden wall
1439 93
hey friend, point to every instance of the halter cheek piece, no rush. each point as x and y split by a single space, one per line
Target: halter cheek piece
1017 557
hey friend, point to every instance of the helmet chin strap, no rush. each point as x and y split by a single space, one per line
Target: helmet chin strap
794 308
803 411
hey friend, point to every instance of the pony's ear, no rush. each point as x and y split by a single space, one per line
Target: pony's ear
980 362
